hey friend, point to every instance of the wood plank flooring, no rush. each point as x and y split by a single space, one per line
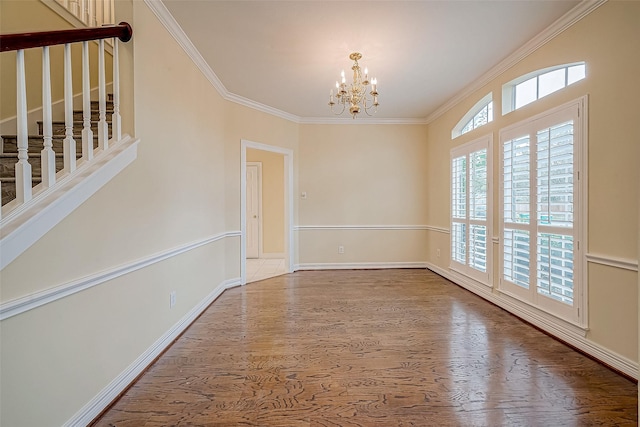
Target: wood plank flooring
369 348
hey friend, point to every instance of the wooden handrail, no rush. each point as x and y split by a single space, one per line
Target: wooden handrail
8 42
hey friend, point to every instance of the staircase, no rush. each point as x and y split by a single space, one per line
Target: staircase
9 148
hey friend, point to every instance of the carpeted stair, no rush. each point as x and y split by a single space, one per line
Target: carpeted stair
9 152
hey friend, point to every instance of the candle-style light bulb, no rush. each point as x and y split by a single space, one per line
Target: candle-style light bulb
342 75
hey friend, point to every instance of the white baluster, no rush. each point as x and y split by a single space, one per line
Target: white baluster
47 155
1 151
99 14
74 8
92 13
116 120
103 130
85 13
23 168
69 143
87 133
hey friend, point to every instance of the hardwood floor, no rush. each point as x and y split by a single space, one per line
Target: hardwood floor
369 348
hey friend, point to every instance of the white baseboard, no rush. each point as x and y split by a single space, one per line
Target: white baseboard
107 395
358 265
570 334
29 302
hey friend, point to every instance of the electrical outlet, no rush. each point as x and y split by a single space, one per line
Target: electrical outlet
172 299
340 249
438 253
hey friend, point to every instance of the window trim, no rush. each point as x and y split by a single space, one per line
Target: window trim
484 142
580 317
509 89
469 115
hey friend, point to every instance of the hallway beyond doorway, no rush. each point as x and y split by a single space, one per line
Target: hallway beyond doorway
264 268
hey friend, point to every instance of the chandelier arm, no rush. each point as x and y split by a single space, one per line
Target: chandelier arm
341 111
355 94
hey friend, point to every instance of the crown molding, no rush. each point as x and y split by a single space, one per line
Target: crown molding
176 31
364 121
561 24
261 107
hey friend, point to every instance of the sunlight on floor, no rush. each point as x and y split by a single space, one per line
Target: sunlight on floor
260 268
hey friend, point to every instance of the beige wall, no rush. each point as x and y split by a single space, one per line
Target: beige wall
59 356
604 40
272 199
362 175
41 18
384 190
243 123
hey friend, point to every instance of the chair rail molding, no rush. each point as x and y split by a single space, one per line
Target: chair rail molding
20 305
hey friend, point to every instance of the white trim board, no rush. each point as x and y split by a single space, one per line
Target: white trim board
361 227
566 332
372 227
561 24
173 28
567 20
29 302
8 126
610 261
289 245
103 399
359 265
27 223
360 121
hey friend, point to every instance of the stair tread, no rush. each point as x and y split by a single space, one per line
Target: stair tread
36 178
58 122
42 136
35 144
94 111
15 155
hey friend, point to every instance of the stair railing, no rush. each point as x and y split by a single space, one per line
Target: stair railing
20 42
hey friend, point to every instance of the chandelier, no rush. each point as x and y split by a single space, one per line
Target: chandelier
355 95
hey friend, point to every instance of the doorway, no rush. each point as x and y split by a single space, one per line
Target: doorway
254 209
266 193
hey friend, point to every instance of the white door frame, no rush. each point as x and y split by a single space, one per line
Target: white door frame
288 204
258 166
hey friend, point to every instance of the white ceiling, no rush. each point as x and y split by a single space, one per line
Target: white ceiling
287 55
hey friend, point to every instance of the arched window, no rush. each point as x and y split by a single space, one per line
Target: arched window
535 85
479 115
